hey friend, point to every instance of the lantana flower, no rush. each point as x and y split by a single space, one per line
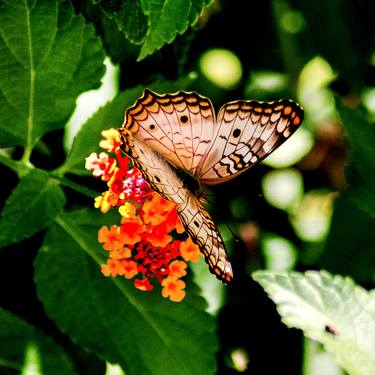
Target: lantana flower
142 245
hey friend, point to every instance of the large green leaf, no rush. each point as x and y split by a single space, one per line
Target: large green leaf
129 18
153 23
27 350
31 207
143 332
166 19
361 169
48 56
329 309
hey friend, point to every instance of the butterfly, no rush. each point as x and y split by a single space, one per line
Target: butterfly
164 134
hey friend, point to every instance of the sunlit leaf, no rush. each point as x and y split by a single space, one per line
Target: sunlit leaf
329 309
129 18
166 19
44 51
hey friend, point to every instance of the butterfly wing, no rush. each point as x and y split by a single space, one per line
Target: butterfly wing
246 133
203 231
195 218
179 126
155 170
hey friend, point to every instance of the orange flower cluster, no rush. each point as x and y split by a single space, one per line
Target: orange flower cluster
142 246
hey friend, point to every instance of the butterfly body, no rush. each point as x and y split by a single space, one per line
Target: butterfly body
165 134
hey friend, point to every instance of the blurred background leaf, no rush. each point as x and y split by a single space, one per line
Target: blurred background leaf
361 168
342 32
27 350
350 246
329 309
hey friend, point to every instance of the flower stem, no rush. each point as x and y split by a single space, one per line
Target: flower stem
73 185
17 166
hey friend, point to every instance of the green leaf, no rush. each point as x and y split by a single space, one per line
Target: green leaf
166 19
31 207
44 53
143 332
129 18
361 169
153 23
351 236
26 349
329 309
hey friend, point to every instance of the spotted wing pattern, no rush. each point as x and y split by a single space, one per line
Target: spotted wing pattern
197 221
246 133
179 126
164 132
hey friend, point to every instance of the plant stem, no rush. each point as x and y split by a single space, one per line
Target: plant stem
17 166
73 185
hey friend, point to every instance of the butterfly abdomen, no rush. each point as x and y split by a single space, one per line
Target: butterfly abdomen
189 181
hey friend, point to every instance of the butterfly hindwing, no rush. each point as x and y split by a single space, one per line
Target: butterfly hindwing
203 231
247 132
197 221
155 170
179 126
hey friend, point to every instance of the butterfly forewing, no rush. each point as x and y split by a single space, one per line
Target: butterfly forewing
155 170
247 132
178 126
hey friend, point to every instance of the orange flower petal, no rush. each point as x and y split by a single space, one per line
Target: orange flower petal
158 235
143 284
112 268
179 226
156 209
112 238
130 268
173 289
131 229
190 251
121 253
177 269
